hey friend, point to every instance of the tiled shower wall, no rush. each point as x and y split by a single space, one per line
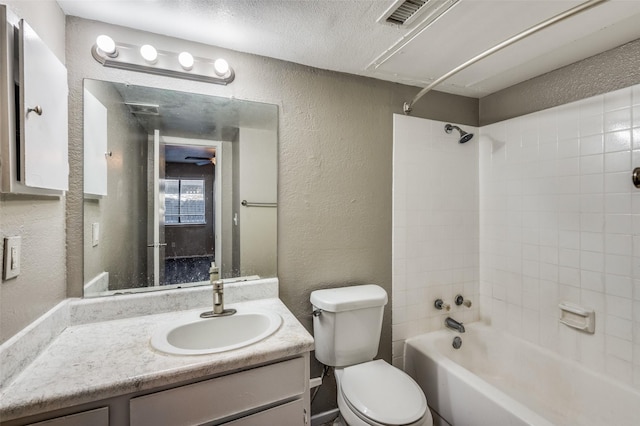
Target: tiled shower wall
560 221
435 227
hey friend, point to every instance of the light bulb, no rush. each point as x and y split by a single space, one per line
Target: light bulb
149 53
186 60
106 45
221 67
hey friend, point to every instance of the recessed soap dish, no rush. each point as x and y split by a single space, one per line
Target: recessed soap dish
578 317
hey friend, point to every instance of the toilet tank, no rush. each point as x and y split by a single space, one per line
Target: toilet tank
347 323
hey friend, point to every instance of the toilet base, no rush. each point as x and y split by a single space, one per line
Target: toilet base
339 421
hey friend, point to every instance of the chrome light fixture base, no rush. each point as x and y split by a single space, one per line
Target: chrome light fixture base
127 57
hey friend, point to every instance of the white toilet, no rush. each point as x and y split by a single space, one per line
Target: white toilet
346 324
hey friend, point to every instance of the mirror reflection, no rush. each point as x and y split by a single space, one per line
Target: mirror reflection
176 185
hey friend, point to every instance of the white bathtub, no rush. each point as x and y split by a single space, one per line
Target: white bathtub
497 379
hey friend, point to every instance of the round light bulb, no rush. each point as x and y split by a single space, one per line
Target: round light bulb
149 53
221 67
106 45
186 60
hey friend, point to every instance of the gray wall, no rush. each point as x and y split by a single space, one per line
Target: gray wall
614 69
39 221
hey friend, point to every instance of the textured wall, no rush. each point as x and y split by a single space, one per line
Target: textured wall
614 69
335 160
40 221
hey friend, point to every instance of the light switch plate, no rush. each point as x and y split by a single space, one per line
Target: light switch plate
12 248
95 233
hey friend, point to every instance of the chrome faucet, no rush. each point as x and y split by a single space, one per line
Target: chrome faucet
453 324
218 302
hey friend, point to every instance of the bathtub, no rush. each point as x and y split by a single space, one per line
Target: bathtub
497 379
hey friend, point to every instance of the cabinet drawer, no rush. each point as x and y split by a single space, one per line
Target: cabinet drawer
97 417
220 397
290 414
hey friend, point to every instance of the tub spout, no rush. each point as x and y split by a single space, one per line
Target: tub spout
453 324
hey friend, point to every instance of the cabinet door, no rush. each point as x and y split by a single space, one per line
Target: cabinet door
222 397
95 145
290 414
43 114
97 417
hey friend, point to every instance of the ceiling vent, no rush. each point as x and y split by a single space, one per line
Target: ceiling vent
144 109
405 12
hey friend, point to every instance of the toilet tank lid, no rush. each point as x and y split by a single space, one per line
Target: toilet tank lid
349 298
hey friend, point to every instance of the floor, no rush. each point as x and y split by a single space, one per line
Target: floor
187 270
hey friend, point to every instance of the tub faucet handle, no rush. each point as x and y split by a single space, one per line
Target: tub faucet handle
460 301
440 305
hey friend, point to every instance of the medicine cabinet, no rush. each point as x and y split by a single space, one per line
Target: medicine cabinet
33 112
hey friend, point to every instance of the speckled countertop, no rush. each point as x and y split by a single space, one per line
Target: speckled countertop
90 362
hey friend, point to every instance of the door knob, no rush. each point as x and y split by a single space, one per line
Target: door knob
37 109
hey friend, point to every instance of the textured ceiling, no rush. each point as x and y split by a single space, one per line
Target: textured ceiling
344 35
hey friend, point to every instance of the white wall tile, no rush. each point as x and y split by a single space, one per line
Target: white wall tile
592 164
435 246
591 261
592 241
635 132
617 120
617 183
619 285
618 99
591 125
619 348
589 107
619 369
617 161
617 203
618 223
617 140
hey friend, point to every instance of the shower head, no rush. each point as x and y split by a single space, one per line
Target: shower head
464 136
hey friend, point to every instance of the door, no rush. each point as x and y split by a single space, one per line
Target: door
155 230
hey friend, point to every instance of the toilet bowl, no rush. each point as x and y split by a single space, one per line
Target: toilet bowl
375 393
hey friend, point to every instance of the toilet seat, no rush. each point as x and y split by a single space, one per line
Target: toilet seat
380 393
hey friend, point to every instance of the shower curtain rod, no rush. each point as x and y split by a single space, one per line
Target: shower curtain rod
544 24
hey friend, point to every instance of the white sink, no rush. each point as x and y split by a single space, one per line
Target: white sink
207 336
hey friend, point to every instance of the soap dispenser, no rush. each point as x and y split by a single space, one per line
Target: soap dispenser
214 272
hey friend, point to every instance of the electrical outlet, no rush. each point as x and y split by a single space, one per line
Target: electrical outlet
12 248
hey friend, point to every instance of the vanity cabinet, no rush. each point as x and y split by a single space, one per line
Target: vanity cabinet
272 394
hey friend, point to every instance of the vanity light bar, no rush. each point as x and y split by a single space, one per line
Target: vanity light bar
128 57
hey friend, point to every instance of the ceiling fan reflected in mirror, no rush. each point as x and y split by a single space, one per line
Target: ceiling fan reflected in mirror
202 161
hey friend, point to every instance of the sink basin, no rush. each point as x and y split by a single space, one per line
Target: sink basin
196 336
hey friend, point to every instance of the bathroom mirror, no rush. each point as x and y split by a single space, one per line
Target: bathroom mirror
173 183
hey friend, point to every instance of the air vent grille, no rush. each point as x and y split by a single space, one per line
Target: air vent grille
405 11
144 109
